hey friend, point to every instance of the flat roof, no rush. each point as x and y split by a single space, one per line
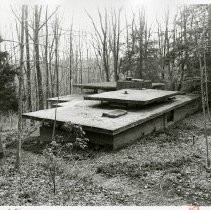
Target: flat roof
88 114
98 85
66 98
108 85
132 96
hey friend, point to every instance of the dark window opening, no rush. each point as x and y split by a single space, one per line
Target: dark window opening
170 116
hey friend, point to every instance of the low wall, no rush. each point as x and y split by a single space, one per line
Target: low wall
158 123
127 136
134 84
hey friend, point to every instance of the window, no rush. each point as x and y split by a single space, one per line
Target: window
170 116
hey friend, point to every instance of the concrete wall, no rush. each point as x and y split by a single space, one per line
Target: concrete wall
134 133
134 84
138 131
155 124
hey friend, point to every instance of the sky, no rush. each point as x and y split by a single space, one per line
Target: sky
76 10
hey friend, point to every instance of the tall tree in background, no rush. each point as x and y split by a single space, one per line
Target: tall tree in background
140 56
127 60
28 67
209 39
37 27
80 50
140 34
46 57
37 15
115 40
56 37
20 92
102 40
71 57
169 57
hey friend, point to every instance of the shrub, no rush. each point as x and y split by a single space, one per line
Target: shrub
58 148
7 85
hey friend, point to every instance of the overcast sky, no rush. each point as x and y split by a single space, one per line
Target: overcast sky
76 9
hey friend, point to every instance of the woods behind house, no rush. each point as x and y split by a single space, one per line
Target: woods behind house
45 59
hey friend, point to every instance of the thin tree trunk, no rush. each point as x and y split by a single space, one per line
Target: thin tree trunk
204 112
50 71
139 68
70 58
1 148
46 58
209 36
56 56
87 60
37 59
20 91
102 39
28 67
206 86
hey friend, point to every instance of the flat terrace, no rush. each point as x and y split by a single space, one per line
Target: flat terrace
131 96
66 98
72 99
105 86
109 86
121 130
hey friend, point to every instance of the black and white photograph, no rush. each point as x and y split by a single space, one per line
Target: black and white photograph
105 103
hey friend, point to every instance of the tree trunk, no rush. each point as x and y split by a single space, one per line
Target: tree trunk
37 59
70 58
56 55
204 112
139 67
115 41
209 38
46 58
28 67
1 149
102 39
20 91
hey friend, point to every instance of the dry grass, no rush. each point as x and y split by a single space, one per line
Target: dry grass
161 169
8 121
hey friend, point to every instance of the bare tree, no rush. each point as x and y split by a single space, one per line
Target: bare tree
98 57
20 91
102 36
203 98
141 25
115 40
50 58
28 67
37 15
71 57
46 56
56 38
80 50
37 27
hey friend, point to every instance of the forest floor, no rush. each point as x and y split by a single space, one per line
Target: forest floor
164 168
